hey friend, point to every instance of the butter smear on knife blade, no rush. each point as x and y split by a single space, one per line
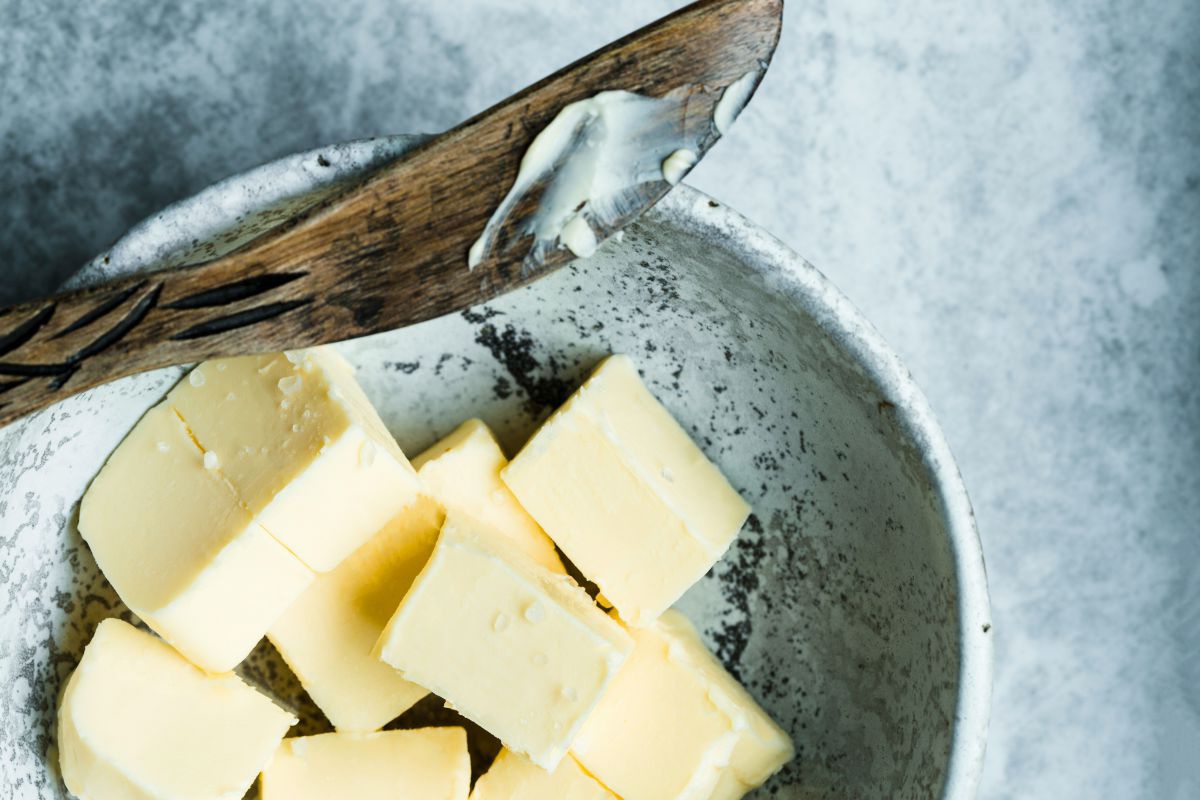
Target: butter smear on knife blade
593 154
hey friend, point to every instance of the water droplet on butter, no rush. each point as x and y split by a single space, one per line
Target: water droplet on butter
539 659
211 461
222 366
290 385
163 447
196 378
294 356
231 397
667 475
569 694
285 404
307 413
296 428
366 454
534 613
500 622
262 451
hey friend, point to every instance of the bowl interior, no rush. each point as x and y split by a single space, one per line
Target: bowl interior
839 603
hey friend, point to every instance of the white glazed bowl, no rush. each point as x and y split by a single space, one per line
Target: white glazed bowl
854 603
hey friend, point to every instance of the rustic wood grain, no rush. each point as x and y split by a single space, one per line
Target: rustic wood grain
388 252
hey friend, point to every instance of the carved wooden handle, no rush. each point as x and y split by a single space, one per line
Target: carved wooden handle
56 347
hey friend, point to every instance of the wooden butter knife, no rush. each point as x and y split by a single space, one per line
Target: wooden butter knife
392 250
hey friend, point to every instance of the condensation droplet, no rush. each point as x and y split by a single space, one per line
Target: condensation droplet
196 378
534 613
500 622
222 366
262 451
296 428
285 404
231 397
211 461
290 385
667 475
163 447
366 454
307 413
569 694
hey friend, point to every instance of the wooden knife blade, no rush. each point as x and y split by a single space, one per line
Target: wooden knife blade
392 250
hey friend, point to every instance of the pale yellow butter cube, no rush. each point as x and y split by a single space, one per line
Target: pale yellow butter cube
514 777
328 634
422 764
621 488
463 472
517 648
763 747
172 538
664 730
302 447
138 722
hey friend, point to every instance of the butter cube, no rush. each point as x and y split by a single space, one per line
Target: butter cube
514 777
302 446
668 726
518 649
328 634
621 488
173 539
138 722
429 764
763 747
463 472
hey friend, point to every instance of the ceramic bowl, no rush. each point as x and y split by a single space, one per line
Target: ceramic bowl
854 602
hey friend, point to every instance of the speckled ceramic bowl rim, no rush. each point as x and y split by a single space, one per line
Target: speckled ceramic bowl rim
784 272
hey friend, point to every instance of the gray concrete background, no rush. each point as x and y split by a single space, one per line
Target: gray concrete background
1010 191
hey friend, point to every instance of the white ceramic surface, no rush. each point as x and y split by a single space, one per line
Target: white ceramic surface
853 604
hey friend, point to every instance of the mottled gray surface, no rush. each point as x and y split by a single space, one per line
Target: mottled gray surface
1009 191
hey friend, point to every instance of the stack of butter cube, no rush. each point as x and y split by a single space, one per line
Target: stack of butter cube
265 497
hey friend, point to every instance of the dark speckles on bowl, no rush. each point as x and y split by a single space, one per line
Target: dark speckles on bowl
853 604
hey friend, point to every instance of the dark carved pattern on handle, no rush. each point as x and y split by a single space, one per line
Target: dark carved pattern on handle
101 309
26 330
238 290
138 300
61 372
241 319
